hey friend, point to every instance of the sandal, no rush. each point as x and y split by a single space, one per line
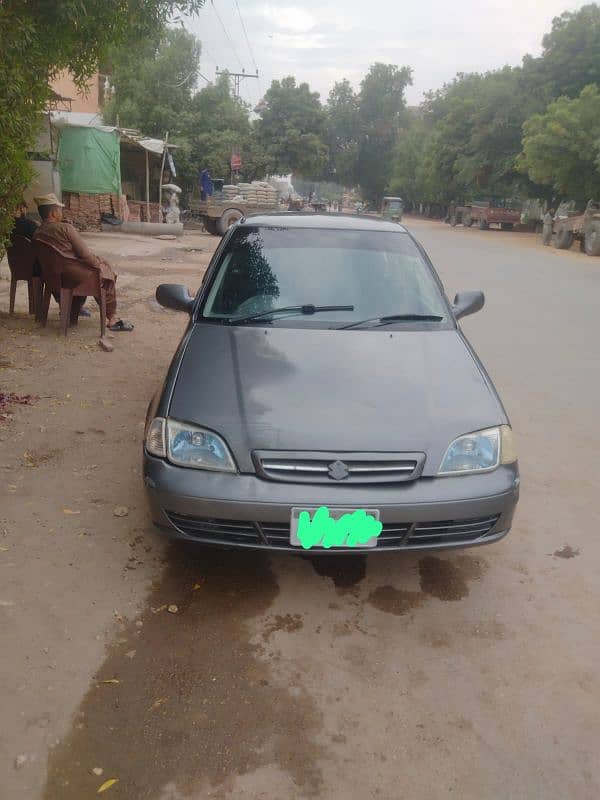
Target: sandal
121 325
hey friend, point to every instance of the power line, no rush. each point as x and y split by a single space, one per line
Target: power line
205 51
237 5
227 34
260 88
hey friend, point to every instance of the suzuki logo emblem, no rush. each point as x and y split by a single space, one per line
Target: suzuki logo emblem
338 471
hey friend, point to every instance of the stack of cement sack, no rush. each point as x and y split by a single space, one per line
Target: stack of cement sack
257 193
230 191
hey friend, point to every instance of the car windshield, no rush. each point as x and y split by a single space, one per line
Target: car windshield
377 273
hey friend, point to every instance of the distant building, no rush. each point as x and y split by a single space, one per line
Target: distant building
91 101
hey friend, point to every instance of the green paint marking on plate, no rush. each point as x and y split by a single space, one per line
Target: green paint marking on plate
350 530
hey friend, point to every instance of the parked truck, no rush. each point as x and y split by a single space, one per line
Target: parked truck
584 227
485 214
225 207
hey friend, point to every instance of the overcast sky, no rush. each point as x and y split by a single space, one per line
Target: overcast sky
322 41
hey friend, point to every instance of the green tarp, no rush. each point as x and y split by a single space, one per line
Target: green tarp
89 161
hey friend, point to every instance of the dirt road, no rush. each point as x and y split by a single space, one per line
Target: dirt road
470 674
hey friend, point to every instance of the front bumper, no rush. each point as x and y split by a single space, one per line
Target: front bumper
246 511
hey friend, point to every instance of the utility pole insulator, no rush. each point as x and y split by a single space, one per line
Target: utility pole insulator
238 77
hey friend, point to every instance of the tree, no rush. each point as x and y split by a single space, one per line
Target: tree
408 177
381 112
343 130
153 83
561 148
38 41
476 124
291 129
570 58
218 124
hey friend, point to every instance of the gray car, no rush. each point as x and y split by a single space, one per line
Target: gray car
324 398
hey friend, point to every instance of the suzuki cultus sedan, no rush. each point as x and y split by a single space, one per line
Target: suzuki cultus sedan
324 398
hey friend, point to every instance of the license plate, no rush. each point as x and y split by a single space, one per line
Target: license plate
320 527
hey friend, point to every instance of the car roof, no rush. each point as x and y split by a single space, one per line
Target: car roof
291 219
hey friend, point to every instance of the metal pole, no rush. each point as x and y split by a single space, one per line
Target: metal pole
147 189
162 168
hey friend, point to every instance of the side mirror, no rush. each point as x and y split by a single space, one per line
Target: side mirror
174 296
467 303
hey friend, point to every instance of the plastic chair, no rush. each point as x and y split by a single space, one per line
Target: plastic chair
21 260
72 280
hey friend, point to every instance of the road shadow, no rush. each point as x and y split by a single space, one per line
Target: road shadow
184 696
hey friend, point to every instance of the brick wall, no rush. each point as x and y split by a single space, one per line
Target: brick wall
84 210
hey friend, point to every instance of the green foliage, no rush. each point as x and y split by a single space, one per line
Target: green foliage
408 178
561 148
571 55
291 129
39 39
381 112
153 83
473 126
343 131
217 125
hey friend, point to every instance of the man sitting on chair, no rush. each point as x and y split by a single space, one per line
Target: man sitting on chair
64 238
27 227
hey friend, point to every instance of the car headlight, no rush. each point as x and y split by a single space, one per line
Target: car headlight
188 445
480 451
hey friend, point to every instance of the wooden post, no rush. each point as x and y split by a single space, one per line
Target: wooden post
162 169
148 219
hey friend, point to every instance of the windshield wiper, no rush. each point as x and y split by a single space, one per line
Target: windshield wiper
307 309
376 322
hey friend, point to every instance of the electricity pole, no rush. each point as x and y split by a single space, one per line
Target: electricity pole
238 77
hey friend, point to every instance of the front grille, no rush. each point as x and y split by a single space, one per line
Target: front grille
342 468
466 530
226 531
277 534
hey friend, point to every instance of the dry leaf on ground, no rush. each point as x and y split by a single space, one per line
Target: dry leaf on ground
107 784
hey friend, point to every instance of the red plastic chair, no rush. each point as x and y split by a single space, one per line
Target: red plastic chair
71 279
21 260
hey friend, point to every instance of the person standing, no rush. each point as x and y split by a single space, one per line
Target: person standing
547 227
206 185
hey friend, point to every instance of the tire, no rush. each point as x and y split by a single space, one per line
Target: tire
227 219
211 226
467 219
592 241
563 239
453 221
506 226
482 224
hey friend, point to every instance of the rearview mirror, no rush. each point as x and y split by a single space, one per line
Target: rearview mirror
467 303
172 295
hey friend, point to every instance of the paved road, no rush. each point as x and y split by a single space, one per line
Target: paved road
471 675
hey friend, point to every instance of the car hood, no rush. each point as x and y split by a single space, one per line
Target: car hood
356 390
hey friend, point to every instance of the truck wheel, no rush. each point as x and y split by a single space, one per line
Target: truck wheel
592 241
563 239
227 219
211 226
483 226
467 219
506 226
453 221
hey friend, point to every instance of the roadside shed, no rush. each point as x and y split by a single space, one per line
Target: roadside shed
100 169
